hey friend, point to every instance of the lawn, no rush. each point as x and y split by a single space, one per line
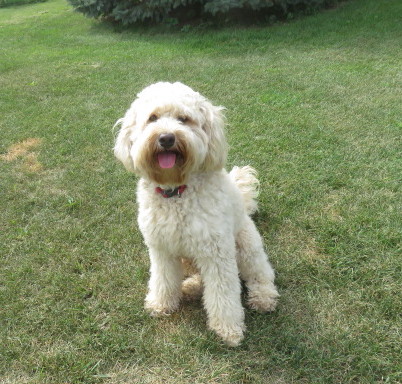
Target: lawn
314 105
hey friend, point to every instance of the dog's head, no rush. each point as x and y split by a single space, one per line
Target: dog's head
170 132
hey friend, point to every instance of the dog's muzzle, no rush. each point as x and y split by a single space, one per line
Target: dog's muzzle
167 158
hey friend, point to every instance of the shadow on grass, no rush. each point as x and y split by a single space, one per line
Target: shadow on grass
346 26
12 3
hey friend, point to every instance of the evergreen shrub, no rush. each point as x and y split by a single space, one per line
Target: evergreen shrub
129 12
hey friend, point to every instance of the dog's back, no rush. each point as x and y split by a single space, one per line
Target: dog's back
246 180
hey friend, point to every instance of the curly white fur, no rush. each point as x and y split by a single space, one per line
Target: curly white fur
209 224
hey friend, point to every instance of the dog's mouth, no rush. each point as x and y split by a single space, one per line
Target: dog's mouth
167 159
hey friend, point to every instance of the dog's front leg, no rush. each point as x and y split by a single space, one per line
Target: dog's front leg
222 293
164 292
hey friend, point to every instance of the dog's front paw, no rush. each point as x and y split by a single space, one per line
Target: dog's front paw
263 297
231 336
158 309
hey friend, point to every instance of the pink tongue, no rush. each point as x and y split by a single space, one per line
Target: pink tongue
166 159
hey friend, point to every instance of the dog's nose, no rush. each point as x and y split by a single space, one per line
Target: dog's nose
166 140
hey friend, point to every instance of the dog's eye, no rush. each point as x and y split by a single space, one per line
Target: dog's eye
183 119
152 118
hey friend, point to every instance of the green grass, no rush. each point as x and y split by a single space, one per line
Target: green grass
314 105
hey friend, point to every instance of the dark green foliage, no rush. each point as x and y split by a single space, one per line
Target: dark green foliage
138 11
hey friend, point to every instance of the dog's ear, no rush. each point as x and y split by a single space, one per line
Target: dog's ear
123 142
217 146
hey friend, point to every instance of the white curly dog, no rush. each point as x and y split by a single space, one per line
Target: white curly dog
194 216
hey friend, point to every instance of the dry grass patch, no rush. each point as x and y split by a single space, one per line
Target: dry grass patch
25 150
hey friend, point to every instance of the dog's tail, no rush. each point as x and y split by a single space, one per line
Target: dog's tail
246 180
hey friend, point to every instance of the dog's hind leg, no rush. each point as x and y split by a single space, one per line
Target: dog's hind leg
164 292
255 268
191 287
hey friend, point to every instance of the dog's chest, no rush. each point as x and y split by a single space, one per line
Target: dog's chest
179 226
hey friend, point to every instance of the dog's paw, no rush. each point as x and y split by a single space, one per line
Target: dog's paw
192 288
156 309
231 336
231 333
263 298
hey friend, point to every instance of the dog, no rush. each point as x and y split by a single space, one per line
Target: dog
194 216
